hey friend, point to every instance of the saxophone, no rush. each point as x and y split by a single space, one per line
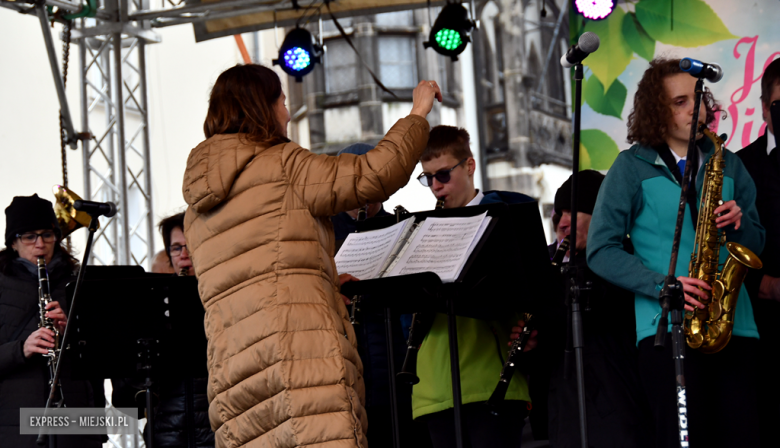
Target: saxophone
709 329
44 298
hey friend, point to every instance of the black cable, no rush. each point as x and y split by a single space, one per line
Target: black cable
349 41
297 22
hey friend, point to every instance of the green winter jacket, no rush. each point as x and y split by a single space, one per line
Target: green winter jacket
639 197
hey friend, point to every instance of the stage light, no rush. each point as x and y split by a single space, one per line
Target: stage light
298 54
450 33
594 9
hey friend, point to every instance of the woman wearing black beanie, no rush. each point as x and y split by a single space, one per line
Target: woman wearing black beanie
32 232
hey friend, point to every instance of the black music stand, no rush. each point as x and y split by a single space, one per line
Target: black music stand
512 254
148 327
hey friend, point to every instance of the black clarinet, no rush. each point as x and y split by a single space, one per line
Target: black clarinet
361 216
421 325
519 344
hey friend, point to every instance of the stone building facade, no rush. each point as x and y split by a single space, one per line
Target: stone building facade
520 93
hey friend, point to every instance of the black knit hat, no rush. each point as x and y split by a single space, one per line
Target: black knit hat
589 182
27 213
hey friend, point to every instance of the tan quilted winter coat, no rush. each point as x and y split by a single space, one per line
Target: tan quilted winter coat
282 358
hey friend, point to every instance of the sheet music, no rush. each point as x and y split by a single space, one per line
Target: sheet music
363 254
441 246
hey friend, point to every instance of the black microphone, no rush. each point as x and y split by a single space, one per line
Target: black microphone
699 69
107 209
588 43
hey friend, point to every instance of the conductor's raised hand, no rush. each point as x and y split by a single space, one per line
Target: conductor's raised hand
423 96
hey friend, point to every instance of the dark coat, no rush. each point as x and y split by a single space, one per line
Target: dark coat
343 225
617 410
180 411
765 171
24 382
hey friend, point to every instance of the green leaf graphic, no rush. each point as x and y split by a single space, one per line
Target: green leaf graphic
610 104
597 150
614 54
637 37
692 23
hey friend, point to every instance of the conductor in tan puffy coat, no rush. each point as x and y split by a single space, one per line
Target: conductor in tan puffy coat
282 359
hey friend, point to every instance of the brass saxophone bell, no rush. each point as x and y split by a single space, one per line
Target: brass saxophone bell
68 217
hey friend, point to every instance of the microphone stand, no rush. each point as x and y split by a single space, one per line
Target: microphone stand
573 274
55 382
672 297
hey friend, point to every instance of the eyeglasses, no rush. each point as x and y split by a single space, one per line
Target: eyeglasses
176 249
442 176
31 237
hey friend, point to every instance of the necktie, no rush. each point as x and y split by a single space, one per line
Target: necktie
681 165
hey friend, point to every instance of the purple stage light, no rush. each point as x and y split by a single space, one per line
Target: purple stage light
594 9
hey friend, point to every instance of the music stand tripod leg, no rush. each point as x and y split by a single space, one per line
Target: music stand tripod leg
391 373
452 330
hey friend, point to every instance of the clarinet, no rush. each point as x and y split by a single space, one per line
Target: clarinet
519 345
361 216
421 325
44 298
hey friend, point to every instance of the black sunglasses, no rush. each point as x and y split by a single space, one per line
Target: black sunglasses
442 176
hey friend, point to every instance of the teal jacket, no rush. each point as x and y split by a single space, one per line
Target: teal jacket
639 197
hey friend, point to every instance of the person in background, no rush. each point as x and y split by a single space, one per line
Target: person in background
344 222
372 347
162 263
762 161
617 410
181 405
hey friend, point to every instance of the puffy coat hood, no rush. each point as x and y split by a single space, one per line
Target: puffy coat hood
212 168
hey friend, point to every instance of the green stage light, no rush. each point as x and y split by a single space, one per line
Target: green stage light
448 39
450 33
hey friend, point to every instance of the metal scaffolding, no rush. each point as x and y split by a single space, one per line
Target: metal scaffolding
112 36
114 120
116 159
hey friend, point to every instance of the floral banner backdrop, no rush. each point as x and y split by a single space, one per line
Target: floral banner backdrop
742 36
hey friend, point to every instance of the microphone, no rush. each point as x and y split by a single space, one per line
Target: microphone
107 209
588 43
699 69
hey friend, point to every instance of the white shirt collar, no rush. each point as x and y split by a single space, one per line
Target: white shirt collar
477 199
771 141
678 158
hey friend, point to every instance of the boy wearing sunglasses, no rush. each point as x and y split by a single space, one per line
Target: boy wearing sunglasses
448 170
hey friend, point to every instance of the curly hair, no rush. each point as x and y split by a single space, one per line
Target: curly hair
647 122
